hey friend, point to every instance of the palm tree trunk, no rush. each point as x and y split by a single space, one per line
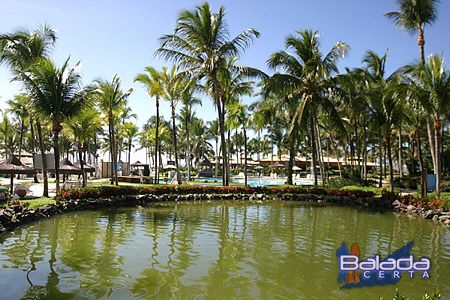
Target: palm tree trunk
80 158
216 171
223 144
380 182
313 150
245 154
437 171
319 151
56 129
391 166
33 146
291 159
188 154
421 43
400 156
175 143
157 146
431 141
44 158
423 171
129 157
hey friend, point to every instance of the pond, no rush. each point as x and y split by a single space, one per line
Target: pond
214 250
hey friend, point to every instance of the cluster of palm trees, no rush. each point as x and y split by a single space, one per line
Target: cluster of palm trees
54 101
305 106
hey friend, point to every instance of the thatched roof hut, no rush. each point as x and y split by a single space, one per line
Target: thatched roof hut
13 166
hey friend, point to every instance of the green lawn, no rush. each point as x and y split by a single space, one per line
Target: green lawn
38 202
375 190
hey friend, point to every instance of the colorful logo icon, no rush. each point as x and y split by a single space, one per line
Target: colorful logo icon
374 271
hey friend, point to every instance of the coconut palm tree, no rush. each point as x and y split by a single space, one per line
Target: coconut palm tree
110 99
303 77
413 16
152 81
201 46
82 127
174 88
19 107
433 80
186 116
130 132
214 133
20 49
56 93
239 116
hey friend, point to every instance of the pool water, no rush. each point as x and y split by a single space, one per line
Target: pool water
213 250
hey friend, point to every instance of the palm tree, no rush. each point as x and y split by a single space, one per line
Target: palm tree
213 133
413 16
19 107
110 99
130 132
20 49
174 88
238 114
304 84
55 92
434 80
186 116
82 127
200 44
152 81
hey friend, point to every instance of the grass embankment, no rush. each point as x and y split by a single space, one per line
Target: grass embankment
38 202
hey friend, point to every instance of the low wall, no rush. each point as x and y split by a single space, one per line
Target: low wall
16 215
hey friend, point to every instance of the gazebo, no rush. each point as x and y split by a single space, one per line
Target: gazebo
67 168
13 166
87 167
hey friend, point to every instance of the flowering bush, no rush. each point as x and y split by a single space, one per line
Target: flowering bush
112 191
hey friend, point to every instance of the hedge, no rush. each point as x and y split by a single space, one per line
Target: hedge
111 191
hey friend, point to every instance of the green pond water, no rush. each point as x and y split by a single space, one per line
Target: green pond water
219 250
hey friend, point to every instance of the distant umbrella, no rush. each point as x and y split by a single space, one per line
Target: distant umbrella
259 167
13 166
295 168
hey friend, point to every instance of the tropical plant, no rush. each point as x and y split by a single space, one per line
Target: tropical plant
111 99
57 93
304 86
152 80
201 46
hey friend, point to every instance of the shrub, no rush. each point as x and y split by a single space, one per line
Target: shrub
112 191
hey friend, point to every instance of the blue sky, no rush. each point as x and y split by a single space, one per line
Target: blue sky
111 37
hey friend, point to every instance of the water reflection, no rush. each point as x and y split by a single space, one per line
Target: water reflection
210 250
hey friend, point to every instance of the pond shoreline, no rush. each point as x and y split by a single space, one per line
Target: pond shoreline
16 215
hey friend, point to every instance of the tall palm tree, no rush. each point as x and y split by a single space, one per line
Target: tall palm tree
152 81
213 133
305 80
130 132
19 107
110 99
174 88
238 114
413 16
201 45
434 80
20 49
82 127
56 93
186 115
